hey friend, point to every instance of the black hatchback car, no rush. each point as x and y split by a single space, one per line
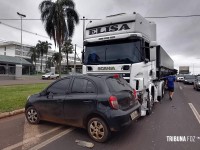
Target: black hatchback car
99 103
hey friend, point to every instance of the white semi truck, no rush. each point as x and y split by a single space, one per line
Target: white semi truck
126 45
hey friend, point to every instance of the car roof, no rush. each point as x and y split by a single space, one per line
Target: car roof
90 75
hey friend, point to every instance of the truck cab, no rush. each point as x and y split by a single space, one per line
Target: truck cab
126 45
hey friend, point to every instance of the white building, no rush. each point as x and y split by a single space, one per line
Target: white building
11 50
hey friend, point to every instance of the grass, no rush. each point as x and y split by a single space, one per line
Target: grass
15 96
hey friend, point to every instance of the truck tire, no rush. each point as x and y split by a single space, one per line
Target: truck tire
163 91
98 130
149 104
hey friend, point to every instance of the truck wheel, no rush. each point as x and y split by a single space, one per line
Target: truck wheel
98 130
149 104
32 115
163 91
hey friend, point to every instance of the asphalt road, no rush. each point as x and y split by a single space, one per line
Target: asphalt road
155 132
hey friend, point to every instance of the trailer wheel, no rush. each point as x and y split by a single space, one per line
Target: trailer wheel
149 104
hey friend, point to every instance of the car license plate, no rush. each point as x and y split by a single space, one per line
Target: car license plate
134 115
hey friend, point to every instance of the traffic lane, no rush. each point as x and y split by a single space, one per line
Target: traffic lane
169 118
11 130
192 95
16 132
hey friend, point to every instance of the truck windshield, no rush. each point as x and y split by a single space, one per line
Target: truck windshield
113 52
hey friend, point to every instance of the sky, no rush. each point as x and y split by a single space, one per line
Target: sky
180 37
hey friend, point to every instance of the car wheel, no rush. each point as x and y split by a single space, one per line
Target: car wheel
32 115
149 104
98 130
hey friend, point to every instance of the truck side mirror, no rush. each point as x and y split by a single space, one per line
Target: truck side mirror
146 60
153 44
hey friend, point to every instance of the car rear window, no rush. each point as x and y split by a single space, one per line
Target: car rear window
117 84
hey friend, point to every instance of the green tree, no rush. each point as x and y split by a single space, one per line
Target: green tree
34 55
53 15
47 46
42 48
56 59
49 63
67 49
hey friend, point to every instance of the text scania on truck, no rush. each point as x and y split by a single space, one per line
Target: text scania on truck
126 44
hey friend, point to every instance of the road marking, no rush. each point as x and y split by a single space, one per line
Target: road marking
31 139
180 87
52 139
195 112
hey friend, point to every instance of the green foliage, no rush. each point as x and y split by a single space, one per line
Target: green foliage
59 20
15 96
67 49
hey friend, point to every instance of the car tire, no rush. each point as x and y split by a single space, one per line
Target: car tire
98 130
32 115
149 104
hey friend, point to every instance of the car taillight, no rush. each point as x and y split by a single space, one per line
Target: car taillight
135 93
113 102
116 76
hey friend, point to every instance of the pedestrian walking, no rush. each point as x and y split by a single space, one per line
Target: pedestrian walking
170 85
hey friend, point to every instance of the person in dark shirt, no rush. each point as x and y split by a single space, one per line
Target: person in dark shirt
170 84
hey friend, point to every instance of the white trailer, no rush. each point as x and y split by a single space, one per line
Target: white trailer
126 45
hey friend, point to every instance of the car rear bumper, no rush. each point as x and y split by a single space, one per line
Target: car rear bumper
120 119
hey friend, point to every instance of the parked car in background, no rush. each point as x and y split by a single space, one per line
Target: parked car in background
50 75
197 83
99 103
180 79
189 79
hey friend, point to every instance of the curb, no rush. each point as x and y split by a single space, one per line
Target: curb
12 113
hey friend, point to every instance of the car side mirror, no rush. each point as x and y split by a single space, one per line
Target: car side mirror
43 93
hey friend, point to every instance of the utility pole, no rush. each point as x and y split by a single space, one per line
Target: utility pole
18 69
75 59
21 15
83 30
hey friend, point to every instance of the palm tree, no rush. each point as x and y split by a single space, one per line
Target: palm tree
67 49
49 63
53 15
47 46
42 48
34 55
56 59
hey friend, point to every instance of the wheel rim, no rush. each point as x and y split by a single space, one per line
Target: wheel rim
32 115
97 130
